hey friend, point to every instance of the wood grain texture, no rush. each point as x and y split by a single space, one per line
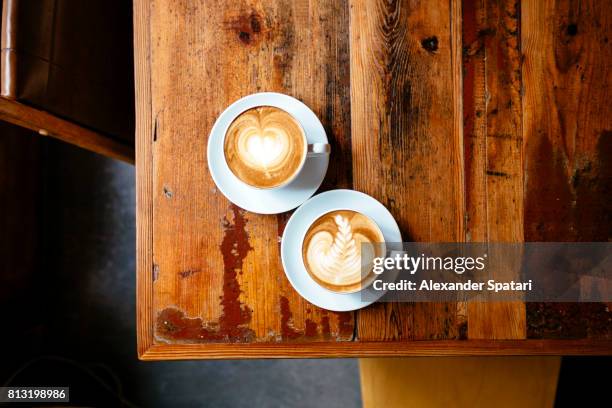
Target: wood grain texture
216 268
403 116
378 349
567 128
144 181
390 93
493 148
459 382
46 124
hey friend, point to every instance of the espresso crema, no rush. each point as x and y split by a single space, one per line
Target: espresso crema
333 254
265 147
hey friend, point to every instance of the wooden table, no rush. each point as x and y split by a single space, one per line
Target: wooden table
471 121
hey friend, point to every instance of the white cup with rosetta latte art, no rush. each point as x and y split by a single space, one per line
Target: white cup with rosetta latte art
266 147
338 250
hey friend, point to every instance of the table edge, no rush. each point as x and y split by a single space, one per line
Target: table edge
356 349
144 180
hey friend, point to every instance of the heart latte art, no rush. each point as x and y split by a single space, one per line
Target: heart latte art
334 252
265 147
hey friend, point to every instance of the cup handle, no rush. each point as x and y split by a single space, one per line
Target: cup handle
318 149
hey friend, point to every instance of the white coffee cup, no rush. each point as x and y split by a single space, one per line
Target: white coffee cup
311 150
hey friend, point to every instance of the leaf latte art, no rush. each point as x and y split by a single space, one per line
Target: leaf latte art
265 147
333 249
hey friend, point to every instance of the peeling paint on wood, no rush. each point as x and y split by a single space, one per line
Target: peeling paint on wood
234 248
173 325
288 332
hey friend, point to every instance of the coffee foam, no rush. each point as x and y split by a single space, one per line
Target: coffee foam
264 147
332 249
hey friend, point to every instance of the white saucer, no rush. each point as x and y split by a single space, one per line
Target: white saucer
302 218
268 201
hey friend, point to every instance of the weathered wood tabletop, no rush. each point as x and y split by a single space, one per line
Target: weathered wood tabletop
470 120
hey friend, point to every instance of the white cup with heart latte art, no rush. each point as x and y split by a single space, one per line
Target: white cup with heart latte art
339 248
265 147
